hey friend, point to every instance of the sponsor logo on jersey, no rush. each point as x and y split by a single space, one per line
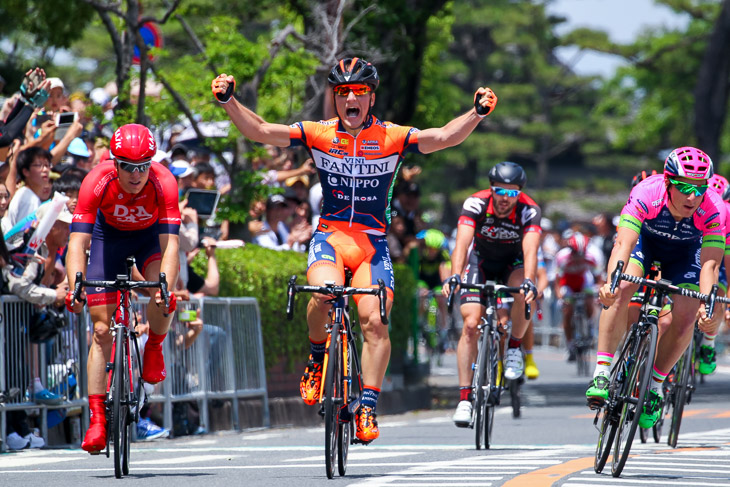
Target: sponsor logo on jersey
497 233
336 152
355 166
370 142
643 206
657 203
712 217
714 225
344 141
335 140
365 183
369 147
474 205
328 257
528 213
131 214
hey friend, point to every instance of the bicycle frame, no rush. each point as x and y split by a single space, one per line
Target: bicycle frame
123 403
340 368
486 387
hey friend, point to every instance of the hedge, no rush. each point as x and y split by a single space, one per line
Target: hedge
262 273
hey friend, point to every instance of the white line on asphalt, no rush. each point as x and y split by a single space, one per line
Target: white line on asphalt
187 459
628 480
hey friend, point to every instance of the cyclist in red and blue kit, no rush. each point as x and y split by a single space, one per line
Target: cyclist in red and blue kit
128 206
670 218
357 157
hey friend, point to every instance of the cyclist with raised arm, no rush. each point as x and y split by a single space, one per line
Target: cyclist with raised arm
128 206
670 218
579 270
497 238
357 157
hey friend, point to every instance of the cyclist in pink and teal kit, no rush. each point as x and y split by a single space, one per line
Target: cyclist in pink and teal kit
673 219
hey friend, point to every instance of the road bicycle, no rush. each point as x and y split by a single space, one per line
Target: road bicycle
680 390
125 393
488 381
435 339
629 379
582 332
341 371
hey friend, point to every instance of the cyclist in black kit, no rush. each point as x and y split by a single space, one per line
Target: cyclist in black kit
504 225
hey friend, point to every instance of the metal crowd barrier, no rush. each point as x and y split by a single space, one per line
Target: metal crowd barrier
225 362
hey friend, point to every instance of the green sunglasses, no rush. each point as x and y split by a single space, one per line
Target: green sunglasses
687 188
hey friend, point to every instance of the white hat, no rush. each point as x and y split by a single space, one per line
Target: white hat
56 83
181 169
99 96
65 215
160 156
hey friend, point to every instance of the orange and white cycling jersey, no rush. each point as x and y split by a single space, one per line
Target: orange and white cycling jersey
357 173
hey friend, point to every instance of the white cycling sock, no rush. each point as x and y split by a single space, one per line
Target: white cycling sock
708 340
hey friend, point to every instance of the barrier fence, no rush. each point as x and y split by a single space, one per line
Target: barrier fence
224 363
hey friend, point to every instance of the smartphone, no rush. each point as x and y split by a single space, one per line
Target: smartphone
42 118
63 122
66 118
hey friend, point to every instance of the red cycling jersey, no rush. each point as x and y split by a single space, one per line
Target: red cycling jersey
102 197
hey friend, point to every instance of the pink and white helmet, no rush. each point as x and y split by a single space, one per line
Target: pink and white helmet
688 162
720 185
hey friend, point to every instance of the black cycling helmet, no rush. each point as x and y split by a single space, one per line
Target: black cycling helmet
508 173
354 70
640 176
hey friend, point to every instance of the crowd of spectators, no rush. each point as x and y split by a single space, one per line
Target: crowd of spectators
50 139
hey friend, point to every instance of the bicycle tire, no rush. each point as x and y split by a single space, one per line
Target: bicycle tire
331 406
680 396
609 420
346 428
120 406
492 395
480 381
639 374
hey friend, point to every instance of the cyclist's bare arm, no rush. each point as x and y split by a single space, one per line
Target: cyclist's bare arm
464 237
710 258
458 129
530 244
76 260
170 262
625 241
250 124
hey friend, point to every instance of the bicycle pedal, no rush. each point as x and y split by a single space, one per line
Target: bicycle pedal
596 403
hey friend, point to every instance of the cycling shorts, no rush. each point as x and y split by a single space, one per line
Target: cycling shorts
680 263
479 271
367 256
107 257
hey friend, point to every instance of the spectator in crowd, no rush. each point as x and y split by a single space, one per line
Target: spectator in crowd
57 98
34 168
605 234
407 202
275 233
300 186
184 173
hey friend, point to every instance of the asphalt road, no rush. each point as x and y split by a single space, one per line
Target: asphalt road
552 443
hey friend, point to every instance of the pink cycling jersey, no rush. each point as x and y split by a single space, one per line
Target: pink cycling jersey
646 213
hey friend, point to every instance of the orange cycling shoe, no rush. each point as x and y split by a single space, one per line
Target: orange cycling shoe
95 438
153 366
367 425
311 382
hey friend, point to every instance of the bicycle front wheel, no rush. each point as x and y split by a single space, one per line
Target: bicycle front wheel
633 394
479 384
680 395
346 427
120 405
332 400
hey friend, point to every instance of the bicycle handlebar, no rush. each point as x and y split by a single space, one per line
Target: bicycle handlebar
122 283
666 286
496 288
337 291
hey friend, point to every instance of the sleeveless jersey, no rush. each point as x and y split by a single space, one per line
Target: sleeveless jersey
495 238
357 173
646 213
103 201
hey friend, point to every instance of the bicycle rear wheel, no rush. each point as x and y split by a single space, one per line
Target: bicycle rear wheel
120 408
633 394
680 395
332 400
